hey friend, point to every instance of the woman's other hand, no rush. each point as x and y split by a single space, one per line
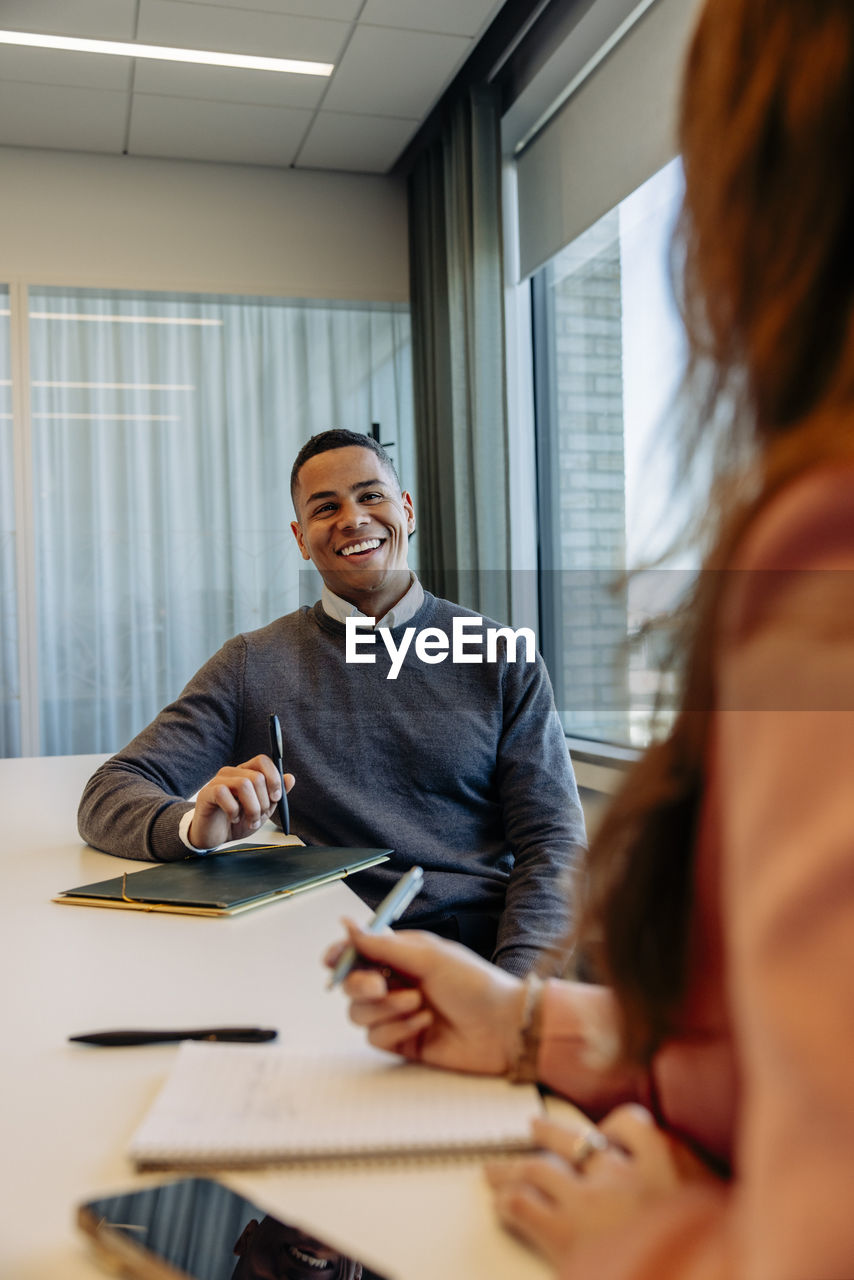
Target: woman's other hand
587 1181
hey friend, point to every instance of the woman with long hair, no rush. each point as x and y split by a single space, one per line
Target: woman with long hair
716 1048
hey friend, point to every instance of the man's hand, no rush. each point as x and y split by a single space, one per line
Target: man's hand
235 803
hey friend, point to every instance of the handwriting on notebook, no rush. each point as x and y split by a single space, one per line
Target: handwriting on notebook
227 1105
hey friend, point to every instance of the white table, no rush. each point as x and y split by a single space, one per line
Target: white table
67 1111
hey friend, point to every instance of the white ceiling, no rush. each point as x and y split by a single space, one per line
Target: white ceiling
393 60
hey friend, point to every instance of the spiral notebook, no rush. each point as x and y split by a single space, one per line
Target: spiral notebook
231 1106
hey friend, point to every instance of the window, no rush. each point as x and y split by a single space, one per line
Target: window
609 354
162 432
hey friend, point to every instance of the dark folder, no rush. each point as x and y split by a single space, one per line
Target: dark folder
221 884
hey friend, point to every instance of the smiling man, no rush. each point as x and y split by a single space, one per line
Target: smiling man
461 767
353 521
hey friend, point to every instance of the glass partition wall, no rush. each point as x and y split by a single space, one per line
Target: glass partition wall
162 431
10 690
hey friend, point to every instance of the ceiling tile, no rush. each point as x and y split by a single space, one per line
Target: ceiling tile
208 26
95 19
228 84
359 144
452 17
53 66
394 73
233 133
343 10
395 58
37 115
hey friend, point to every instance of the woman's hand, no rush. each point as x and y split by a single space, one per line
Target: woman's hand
574 1191
433 1001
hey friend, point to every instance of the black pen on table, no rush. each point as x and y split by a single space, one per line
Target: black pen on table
276 753
127 1036
390 909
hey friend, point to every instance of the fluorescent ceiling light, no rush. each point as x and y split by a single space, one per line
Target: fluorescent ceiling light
104 417
115 386
127 50
112 417
99 319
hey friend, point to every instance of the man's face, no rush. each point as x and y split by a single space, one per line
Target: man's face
354 524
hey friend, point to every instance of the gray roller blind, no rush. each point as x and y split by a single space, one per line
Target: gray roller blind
611 135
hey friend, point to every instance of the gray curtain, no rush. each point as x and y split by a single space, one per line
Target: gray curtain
458 360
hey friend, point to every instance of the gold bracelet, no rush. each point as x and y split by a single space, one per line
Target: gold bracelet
523 1068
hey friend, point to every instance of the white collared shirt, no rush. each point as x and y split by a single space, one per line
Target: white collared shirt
406 607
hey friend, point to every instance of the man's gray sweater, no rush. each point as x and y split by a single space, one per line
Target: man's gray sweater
462 769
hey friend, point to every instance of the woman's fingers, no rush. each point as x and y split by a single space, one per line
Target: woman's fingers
395 1004
665 1160
392 1018
523 1211
630 1126
544 1173
533 1198
393 1035
577 1142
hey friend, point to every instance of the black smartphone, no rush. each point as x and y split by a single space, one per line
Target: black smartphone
197 1229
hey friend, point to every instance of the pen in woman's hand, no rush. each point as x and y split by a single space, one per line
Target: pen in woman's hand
276 753
390 909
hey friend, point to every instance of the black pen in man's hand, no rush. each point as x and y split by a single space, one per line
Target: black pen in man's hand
276 753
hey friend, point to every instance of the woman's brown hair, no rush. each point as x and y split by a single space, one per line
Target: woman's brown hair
764 251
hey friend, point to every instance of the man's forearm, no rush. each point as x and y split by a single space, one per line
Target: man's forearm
133 804
123 813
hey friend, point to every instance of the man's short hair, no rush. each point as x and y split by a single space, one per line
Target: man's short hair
338 438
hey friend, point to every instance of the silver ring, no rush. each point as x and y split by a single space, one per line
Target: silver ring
586 1145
